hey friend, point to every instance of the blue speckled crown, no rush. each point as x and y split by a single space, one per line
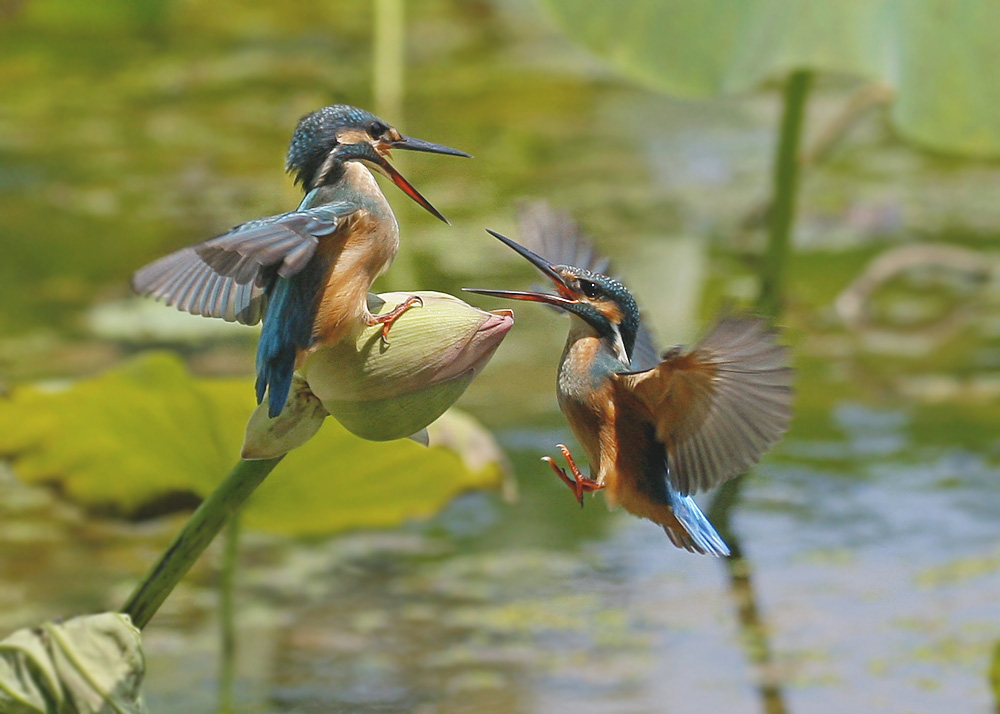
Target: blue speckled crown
316 136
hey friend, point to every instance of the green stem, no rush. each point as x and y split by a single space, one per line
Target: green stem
721 510
993 677
786 180
786 184
227 616
389 45
204 524
388 75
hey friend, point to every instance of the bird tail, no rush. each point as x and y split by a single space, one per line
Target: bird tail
287 329
696 533
275 380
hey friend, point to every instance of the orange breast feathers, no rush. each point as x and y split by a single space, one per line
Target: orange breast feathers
357 254
591 417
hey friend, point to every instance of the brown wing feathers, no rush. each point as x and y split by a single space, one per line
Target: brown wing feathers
719 406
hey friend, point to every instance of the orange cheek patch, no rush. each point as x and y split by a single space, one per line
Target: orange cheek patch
352 136
610 311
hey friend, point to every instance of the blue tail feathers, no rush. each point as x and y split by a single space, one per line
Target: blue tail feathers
701 536
288 328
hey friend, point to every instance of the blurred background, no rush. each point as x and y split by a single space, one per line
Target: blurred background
871 575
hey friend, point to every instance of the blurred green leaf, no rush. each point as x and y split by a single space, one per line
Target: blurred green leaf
148 430
87 665
940 57
129 436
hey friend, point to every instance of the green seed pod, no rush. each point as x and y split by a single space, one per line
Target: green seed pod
382 392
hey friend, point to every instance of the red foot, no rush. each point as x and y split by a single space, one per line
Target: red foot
579 484
388 319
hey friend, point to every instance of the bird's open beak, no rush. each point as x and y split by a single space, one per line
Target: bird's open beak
385 168
565 297
411 144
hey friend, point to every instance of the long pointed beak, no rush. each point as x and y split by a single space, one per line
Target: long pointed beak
565 297
522 295
404 185
411 144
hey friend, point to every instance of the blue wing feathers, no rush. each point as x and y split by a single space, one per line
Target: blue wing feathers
184 280
266 267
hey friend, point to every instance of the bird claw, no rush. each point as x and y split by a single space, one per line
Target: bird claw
389 319
579 484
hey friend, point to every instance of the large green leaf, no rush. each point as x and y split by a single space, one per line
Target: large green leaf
941 57
139 434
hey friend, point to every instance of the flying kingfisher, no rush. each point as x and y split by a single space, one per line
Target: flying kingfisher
655 429
306 273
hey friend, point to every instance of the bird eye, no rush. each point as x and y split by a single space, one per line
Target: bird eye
377 129
590 289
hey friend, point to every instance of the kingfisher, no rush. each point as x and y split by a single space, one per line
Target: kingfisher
306 273
657 429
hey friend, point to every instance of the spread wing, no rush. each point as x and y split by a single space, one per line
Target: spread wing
719 406
555 236
229 276
184 280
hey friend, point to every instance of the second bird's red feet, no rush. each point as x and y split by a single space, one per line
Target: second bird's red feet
579 484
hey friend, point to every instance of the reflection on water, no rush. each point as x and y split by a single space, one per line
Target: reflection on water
754 632
870 533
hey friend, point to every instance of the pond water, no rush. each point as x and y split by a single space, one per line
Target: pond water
872 571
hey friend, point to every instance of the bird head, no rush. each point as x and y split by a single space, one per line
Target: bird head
327 139
600 301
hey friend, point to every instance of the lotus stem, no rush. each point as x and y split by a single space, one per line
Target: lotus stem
192 540
227 617
786 184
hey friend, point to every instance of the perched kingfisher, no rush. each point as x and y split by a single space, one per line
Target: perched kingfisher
306 273
657 429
